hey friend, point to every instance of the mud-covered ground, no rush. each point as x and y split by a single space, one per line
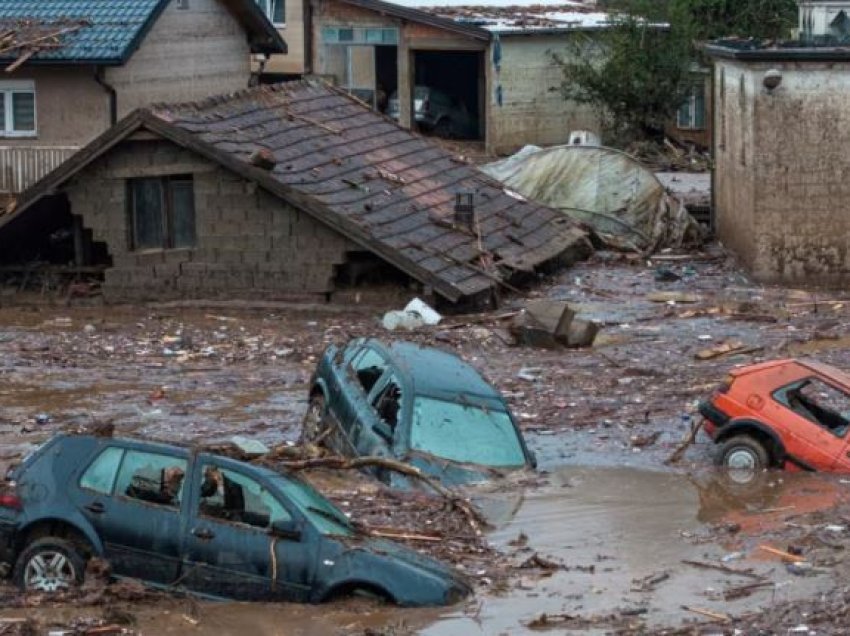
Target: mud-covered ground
602 421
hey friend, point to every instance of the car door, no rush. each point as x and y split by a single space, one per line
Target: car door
133 499
357 379
812 419
230 551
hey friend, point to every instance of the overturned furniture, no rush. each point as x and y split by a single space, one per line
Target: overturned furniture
626 206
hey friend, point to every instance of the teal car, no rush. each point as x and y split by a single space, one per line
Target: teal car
415 404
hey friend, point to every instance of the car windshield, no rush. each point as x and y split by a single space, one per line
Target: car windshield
326 517
465 433
421 92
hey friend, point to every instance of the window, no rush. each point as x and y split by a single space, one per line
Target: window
231 496
691 114
818 402
360 35
368 365
162 212
100 475
17 108
388 403
152 478
275 10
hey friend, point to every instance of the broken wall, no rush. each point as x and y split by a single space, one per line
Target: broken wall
248 242
781 170
533 109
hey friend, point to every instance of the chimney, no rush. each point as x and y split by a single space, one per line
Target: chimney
465 210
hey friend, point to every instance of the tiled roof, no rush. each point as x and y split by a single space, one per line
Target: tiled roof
358 172
111 26
106 31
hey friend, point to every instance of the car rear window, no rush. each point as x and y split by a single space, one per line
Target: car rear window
100 475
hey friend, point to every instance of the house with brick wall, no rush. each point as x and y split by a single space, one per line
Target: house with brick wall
74 67
295 190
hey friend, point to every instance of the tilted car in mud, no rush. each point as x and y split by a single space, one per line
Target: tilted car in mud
416 404
785 414
198 522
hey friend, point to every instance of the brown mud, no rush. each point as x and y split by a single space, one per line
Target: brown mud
600 420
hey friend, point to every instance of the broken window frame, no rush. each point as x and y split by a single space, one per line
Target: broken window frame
276 510
351 38
355 368
782 397
158 462
9 90
169 219
691 114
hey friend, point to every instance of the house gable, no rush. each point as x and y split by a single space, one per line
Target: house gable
186 54
246 241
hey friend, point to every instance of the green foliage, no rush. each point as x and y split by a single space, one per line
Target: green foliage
638 71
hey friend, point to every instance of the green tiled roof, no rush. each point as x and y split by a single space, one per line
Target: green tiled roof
112 31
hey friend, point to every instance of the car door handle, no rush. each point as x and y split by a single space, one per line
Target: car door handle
96 507
204 534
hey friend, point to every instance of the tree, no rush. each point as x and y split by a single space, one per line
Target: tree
638 71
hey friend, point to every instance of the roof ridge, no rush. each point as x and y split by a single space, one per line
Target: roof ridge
243 93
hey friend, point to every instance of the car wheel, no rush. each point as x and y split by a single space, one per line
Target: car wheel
49 564
312 426
744 457
444 129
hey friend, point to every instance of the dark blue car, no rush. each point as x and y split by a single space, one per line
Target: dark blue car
195 521
417 404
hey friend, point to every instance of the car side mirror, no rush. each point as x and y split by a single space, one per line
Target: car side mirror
383 429
285 529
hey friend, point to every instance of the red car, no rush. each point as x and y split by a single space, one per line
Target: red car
786 413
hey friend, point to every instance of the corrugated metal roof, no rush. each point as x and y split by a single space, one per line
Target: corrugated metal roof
358 172
112 26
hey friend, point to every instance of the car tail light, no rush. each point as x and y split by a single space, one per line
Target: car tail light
11 500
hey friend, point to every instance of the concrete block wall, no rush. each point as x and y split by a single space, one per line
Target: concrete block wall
249 242
533 109
792 225
189 53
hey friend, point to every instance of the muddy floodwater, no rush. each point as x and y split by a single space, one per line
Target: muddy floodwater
614 523
613 529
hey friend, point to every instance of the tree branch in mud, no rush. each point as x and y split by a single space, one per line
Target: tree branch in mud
343 463
686 443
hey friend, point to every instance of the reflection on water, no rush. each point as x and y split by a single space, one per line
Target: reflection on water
608 526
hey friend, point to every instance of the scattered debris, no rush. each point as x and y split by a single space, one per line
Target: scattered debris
550 324
416 314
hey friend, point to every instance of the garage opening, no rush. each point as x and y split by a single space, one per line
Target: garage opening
449 95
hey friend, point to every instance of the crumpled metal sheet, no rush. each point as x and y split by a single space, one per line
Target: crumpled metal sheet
624 204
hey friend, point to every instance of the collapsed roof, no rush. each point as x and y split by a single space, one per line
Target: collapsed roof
356 171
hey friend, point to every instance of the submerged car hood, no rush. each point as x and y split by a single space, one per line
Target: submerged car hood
399 552
450 473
